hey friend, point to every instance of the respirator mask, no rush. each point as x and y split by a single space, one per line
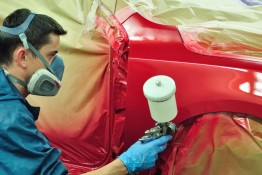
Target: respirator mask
44 82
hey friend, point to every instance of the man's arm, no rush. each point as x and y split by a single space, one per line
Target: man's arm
22 144
114 168
140 156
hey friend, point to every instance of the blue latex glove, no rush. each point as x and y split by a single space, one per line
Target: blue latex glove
141 156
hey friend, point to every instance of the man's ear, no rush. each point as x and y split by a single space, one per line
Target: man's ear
19 57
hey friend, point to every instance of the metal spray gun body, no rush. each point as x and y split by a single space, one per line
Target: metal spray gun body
159 91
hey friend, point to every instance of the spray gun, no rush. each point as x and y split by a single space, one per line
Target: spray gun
159 91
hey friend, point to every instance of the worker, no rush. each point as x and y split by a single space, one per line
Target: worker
30 64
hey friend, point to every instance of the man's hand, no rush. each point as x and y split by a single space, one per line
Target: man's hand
141 156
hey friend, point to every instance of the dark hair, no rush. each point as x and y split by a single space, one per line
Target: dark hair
37 33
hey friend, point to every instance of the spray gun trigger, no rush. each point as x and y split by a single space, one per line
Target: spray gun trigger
167 128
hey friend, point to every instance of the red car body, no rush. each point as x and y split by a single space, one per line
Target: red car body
204 83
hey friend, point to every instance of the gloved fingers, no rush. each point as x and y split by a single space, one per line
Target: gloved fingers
161 148
163 140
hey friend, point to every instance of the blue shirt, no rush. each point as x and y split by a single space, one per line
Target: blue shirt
24 150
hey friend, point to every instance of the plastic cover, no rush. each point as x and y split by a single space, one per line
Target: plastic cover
208 26
219 143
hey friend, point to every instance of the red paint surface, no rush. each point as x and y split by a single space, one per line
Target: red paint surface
205 83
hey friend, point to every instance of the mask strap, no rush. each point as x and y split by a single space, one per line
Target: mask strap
33 49
14 79
19 30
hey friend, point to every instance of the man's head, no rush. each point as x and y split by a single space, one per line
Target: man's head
43 34
37 32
